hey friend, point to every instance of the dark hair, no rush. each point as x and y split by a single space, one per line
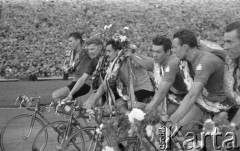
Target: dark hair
115 44
163 41
233 26
186 36
94 40
76 35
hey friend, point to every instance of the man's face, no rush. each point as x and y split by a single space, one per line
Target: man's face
232 44
73 43
178 49
159 53
111 53
94 50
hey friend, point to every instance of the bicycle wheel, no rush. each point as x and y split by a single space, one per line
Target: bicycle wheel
19 132
56 134
133 144
87 140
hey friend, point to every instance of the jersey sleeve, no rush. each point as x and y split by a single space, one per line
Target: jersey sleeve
170 71
203 71
91 67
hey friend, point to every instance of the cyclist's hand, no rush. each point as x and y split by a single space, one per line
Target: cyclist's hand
164 118
148 109
68 98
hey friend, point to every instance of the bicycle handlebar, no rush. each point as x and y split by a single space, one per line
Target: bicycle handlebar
35 98
28 100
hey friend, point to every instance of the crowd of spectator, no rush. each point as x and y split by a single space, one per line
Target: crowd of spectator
23 64
32 35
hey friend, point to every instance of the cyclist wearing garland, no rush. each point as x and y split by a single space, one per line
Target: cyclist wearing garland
142 85
207 71
232 70
79 59
170 81
95 49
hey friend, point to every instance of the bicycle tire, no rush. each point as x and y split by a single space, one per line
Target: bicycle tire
144 146
91 138
14 131
54 140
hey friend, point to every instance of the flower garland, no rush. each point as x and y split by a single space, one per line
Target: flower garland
100 71
112 76
202 102
158 73
231 72
112 68
231 82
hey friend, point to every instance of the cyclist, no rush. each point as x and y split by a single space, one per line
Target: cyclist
207 70
142 86
95 49
78 87
75 42
232 45
171 82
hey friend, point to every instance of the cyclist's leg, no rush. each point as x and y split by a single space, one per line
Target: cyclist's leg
122 105
195 114
143 97
171 108
234 114
63 92
60 94
82 91
89 103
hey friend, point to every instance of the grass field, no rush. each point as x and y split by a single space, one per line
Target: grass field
9 91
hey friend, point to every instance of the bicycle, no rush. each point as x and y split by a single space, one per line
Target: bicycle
24 126
59 130
100 138
140 141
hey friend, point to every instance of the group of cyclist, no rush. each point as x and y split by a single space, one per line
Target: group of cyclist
154 96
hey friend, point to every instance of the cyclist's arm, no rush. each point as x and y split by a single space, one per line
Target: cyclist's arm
78 85
164 86
144 61
101 90
188 102
159 96
89 71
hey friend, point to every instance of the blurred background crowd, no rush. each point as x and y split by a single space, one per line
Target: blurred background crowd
23 64
34 33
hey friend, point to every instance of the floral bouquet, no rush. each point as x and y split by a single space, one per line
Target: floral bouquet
115 128
141 126
121 35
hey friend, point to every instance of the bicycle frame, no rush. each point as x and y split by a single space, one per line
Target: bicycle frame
36 112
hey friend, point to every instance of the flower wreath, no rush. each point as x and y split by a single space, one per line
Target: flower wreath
111 78
231 82
203 102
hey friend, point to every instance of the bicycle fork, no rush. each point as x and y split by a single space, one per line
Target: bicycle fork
26 136
66 133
